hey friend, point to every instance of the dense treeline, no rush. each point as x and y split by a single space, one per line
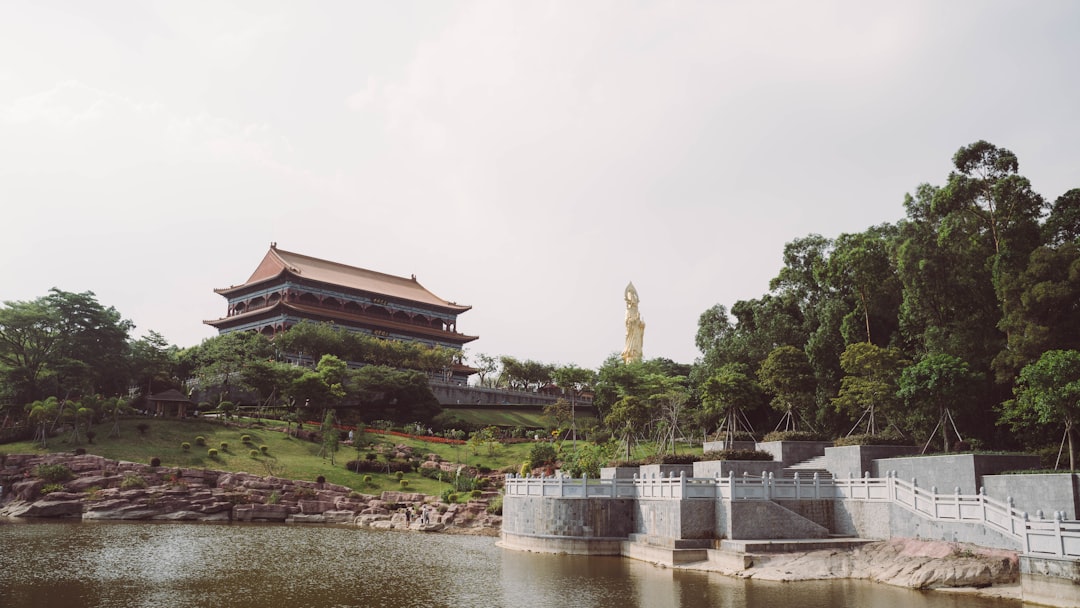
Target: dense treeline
917 326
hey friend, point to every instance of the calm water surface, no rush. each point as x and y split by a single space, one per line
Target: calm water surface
171 565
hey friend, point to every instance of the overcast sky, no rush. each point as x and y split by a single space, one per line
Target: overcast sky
526 158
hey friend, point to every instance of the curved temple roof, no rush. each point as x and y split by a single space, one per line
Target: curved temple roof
278 261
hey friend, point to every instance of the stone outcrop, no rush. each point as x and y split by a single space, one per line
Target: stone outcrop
104 489
918 564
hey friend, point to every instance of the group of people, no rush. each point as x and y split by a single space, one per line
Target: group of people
424 518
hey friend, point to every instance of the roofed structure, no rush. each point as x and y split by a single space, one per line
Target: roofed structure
287 288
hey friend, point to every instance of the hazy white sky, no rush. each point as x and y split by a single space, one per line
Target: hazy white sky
527 158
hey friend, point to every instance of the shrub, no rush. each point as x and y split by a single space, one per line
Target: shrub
737 455
672 459
476 494
155 462
212 453
49 488
404 483
142 427
132 481
53 472
367 480
495 506
371 456
224 446
80 451
185 446
320 479
793 436
254 453
871 440
274 498
399 474
93 493
200 441
245 439
265 449
542 454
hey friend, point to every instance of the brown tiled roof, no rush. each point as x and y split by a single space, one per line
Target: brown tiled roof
278 261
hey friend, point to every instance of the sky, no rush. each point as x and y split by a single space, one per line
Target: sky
526 158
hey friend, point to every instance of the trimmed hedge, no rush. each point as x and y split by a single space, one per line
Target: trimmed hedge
794 436
871 440
737 455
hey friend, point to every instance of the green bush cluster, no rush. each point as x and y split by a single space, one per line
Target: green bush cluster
49 488
254 453
542 454
212 453
794 436
737 455
495 506
185 446
53 472
224 446
671 459
200 441
132 482
265 449
871 440
245 439
404 483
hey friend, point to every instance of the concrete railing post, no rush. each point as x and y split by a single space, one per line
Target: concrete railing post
817 486
1024 529
682 484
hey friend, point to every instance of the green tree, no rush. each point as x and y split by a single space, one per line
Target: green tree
330 436
871 384
726 395
30 334
627 417
787 375
92 353
933 388
1048 392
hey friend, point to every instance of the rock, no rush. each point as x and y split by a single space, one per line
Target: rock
52 508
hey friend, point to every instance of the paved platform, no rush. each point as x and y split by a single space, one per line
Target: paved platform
787 545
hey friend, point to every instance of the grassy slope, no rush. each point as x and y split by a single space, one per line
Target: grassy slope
286 457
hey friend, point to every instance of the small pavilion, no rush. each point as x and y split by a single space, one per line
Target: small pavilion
163 404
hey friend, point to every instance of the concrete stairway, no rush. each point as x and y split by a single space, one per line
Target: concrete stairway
807 468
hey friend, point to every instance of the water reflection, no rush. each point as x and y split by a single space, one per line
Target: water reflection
104 565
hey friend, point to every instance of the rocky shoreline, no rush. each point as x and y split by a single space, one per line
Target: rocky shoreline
103 489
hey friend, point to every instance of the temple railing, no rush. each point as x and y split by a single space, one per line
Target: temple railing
1053 537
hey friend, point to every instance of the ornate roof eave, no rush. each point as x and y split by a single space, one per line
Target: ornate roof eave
301 310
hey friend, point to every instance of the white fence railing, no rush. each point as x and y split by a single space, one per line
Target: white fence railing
1053 537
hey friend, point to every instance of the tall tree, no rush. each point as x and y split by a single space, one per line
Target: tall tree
92 354
871 384
787 375
29 338
1048 392
727 395
936 390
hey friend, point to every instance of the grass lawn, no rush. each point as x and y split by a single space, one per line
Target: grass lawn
285 457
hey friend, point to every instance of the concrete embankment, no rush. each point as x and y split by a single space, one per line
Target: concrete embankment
104 489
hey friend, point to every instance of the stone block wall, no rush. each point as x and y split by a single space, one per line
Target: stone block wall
676 519
1031 493
857 460
950 471
753 468
571 517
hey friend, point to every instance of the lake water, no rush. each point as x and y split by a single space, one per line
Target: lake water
173 565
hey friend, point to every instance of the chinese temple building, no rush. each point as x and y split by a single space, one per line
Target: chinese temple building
288 288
